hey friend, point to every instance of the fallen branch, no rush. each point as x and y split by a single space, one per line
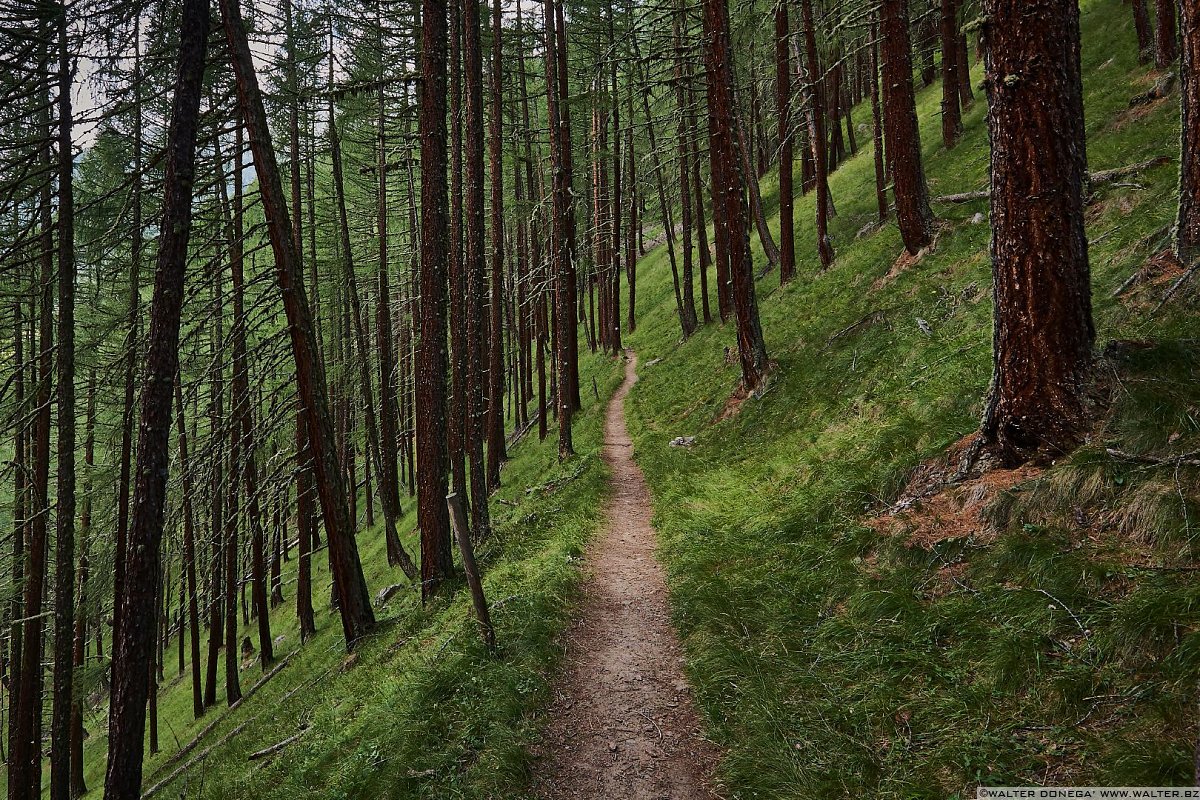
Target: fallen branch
963 197
1096 179
1191 459
1109 175
879 315
275 748
190 746
184 767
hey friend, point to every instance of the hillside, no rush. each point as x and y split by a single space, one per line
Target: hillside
1039 628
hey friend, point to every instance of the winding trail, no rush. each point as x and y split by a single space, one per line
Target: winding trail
622 724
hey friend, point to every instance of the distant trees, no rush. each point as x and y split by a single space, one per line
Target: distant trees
1043 335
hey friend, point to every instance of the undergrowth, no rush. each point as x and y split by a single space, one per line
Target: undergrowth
420 709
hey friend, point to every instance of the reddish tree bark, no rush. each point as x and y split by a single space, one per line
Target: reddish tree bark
783 101
133 651
432 515
354 603
728 195
816 135
951 111
1187 227
1043 332
901 130
1165 33
1145 35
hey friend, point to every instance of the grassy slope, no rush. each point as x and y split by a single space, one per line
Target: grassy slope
832 661
423 712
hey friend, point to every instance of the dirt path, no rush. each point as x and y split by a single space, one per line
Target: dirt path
622 722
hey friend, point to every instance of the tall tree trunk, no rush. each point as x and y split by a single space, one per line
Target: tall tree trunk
25 770
189 553
131 339
685 195
305 523
783 102
477 320
20 527
881 199
79 646
1187 227
816 135
1145 35
1043 332
133 650
433 517
1165 30
951 112
457 426
902 131
728 194
382 449
560 251
64 564
571 341
495 408
354 603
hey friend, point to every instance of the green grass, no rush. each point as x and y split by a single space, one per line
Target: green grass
423 710
833 661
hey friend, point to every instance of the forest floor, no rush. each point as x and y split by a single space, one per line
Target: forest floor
623 724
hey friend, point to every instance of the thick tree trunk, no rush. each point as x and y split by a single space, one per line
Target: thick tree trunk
1187 226
1145 35
728 191
951 112
133 651
1043 333
354 603
1165 47
433 517
901 130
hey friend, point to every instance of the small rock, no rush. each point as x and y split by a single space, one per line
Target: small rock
924 326
977 219
612 747
683 441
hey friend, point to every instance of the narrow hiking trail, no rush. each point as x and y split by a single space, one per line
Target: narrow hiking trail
622 724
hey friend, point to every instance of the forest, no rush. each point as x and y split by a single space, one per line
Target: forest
596 399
